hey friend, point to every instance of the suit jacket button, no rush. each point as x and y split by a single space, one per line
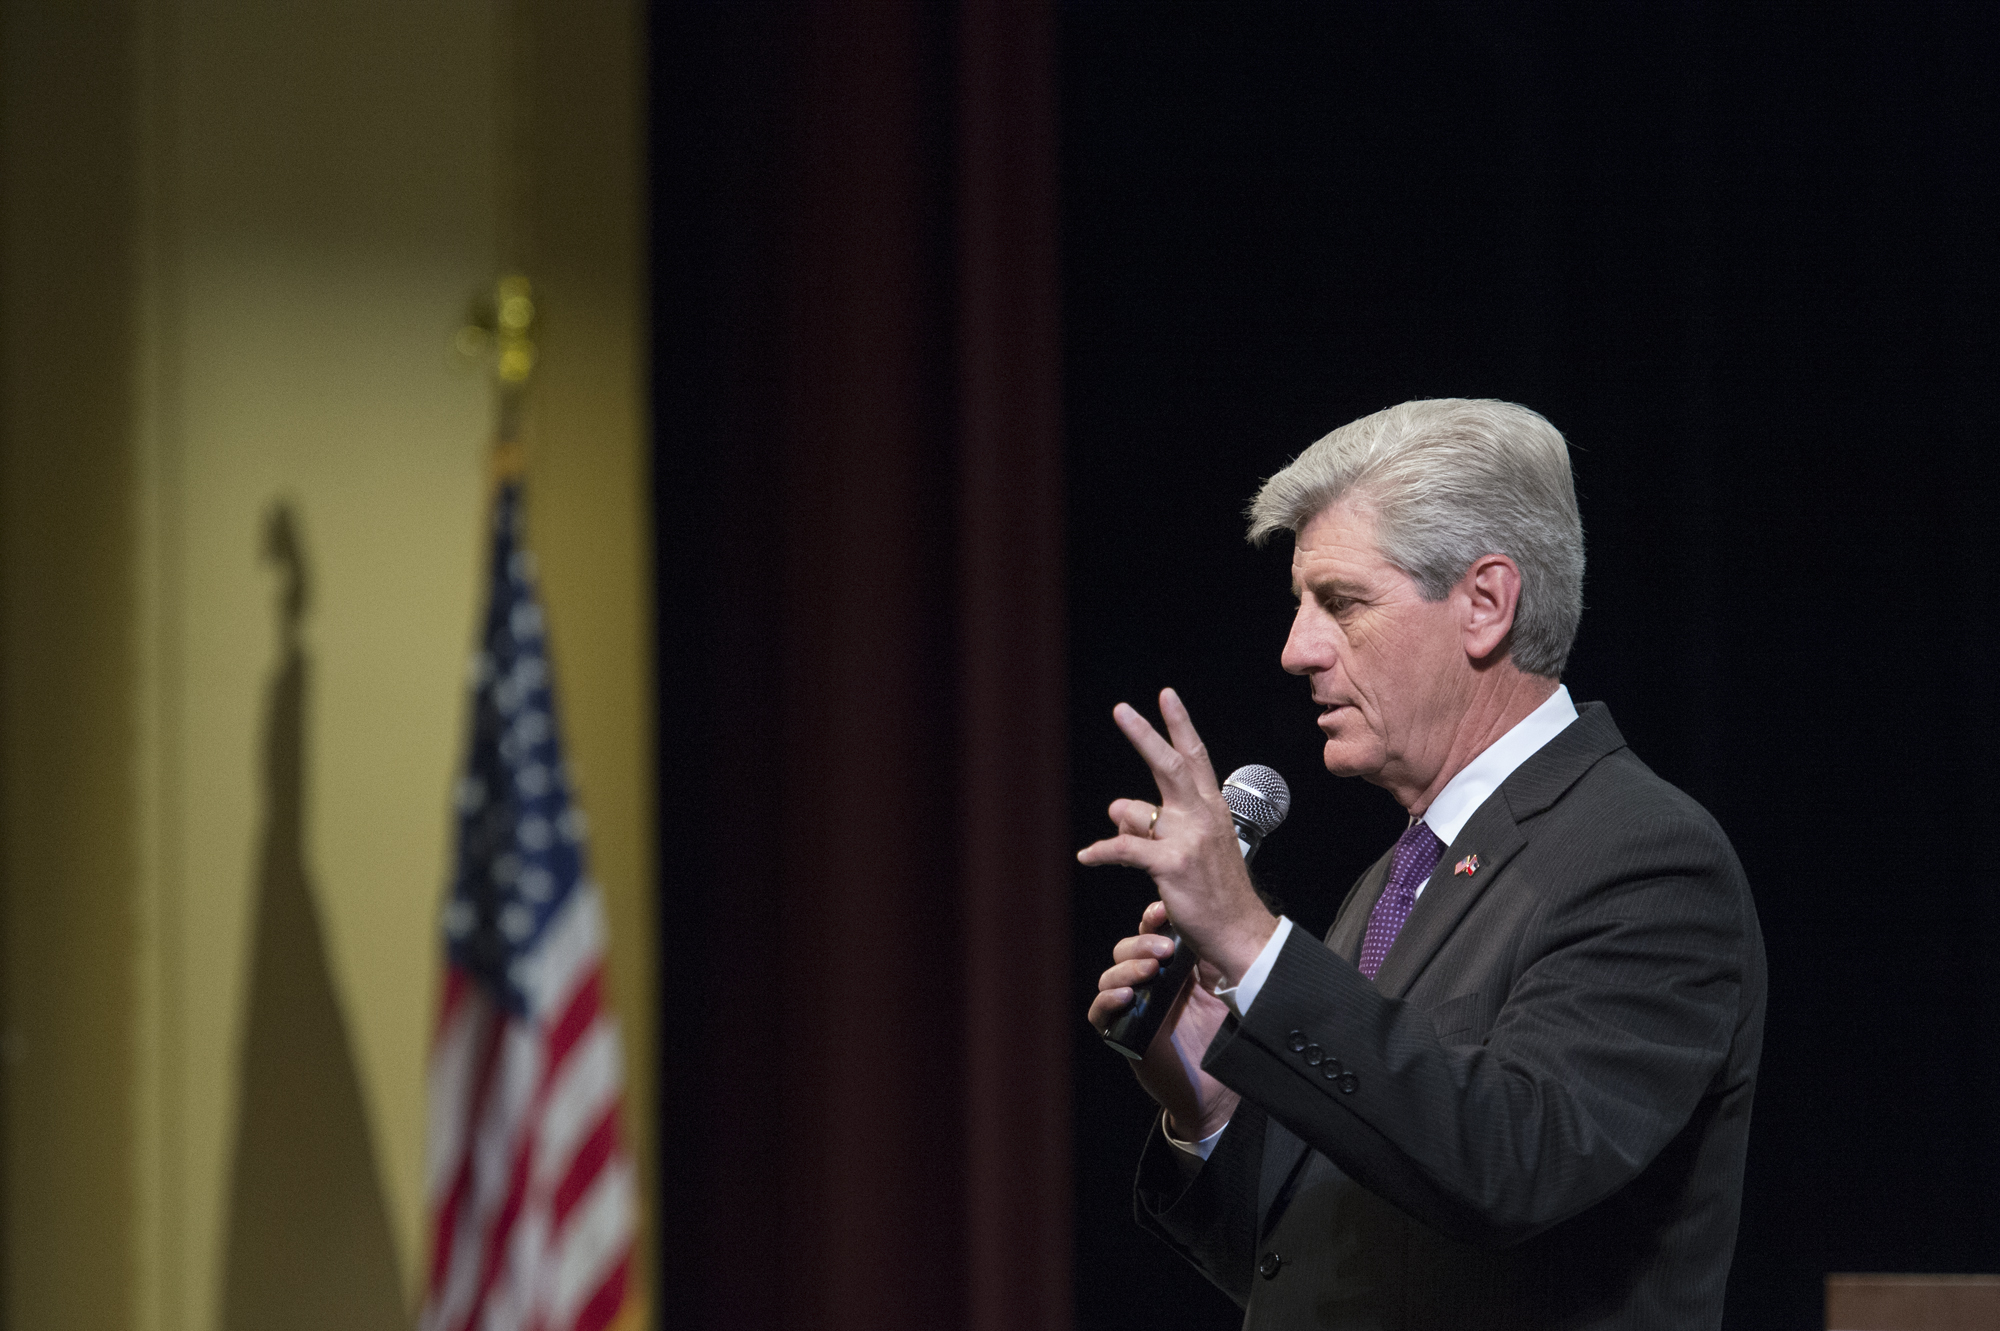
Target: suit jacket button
1313 1054
1349 1083
1268 1268
1297 1041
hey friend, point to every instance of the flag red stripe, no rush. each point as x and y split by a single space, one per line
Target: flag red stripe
577 1016
584 1168
605 1302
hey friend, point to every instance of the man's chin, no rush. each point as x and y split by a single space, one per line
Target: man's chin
1345 758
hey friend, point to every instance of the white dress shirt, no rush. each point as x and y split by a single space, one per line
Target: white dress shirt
1446 817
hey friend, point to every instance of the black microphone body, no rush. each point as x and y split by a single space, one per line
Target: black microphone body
1258 800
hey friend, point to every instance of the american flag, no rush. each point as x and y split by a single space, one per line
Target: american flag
532 1196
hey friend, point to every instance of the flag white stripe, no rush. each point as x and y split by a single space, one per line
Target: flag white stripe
527 1265
571 945
587 1085
595 1240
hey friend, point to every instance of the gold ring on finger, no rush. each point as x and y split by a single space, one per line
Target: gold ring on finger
1153 822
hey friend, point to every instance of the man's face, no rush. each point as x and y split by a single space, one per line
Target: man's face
1388 666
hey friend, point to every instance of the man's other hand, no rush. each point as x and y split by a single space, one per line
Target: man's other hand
1196 1103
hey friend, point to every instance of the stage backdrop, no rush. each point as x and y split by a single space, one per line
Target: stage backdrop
864 842
1743 258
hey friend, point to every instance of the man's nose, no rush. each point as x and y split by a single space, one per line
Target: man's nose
1305 646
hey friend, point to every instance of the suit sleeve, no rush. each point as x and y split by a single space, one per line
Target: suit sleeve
1208 1216
1623 1001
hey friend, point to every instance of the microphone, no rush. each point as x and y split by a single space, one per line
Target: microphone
1258 801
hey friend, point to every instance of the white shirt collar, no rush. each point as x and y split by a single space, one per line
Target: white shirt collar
1478 779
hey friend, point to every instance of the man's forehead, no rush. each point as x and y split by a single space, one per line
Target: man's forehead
1344 570
1326 576
1336 551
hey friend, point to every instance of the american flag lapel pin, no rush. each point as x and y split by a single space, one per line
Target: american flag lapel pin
1467 866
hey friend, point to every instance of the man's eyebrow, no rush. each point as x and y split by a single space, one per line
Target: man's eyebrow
1331 585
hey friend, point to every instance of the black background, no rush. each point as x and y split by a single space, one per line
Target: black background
1743 257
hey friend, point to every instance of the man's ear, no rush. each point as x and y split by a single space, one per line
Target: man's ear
1491 593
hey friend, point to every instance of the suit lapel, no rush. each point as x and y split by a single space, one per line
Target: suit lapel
1493 833
1490 834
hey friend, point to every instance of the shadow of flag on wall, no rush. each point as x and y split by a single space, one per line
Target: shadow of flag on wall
308 1246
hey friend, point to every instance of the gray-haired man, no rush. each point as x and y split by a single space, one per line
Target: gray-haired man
1512 1088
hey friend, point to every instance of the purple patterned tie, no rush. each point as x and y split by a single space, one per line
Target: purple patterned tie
1417 852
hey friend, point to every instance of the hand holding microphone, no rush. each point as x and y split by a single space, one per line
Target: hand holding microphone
1258 800
1194 844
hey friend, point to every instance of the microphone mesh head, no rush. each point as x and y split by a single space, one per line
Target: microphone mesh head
1259 796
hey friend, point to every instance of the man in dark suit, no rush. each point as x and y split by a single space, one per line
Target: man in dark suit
1512 1088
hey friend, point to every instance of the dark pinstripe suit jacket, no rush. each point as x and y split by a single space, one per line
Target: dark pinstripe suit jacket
1535 1116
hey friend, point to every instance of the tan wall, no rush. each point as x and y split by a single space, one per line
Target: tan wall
240 239
68 652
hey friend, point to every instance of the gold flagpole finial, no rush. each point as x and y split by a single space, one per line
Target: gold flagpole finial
514 328
502 324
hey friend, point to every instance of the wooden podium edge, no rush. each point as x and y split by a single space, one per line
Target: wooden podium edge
1886 1301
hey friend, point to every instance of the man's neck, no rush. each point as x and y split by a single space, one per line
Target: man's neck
1506 699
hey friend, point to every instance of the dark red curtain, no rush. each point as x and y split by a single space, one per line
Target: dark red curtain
865 877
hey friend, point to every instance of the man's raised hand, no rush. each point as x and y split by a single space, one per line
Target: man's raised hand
1187 843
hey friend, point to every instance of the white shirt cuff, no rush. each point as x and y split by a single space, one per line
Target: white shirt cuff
1244 993
1200 1150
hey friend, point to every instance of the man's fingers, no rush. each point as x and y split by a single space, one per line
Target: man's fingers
1135 817
1171 769
1158 947
1128 973
1181 767
1137 960
1106 1006
1134 852
1180 728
